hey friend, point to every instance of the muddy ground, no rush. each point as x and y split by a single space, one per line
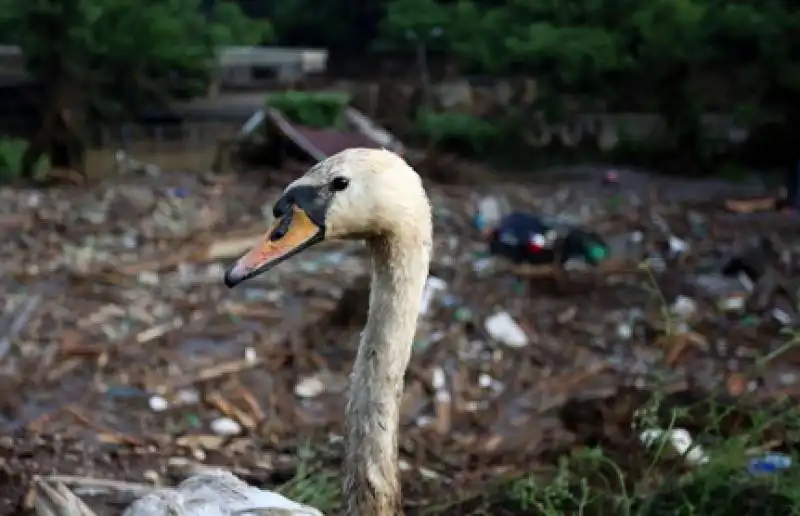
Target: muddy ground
121 350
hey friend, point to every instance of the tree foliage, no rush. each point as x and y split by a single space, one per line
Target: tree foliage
341 26
637 54
117 54
109 58
320 110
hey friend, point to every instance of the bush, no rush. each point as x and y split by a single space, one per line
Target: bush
457 132
12 150
312 109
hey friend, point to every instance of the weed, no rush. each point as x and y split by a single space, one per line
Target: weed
312 484
12 150
320 110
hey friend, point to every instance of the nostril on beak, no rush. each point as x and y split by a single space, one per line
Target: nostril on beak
282 228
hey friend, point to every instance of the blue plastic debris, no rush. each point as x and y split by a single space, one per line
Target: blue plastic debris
769 463
179 192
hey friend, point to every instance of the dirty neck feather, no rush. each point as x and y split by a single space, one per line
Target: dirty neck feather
399 271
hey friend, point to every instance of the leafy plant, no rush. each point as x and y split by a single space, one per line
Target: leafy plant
312 484
321 110
456 131
110 59
12 150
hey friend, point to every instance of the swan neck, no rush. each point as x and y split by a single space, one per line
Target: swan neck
399 271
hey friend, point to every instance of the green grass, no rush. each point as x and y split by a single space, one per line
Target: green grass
591 482
313 484
629 479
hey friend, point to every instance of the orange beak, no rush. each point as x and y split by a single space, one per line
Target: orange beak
287 237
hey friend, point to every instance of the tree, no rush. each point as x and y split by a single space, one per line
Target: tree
106 59
409 23
343 27
640 54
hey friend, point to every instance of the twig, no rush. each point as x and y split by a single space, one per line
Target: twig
231 410
216 371
122 438
116 486
231 247
37 425
58 500
184 468
252 403
157 331
566 381
82 508
769 445
769 357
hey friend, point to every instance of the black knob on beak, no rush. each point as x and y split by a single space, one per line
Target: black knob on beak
283 206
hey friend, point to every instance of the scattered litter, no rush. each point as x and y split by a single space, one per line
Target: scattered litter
684 307
746 282
433 286
489 211
309 387
130 294
442 401
625 330
485 381
782 317
16 323
158 404
677 246
225 426
567 316
737 384
483 265
188 397
656 262
769 463
681 441
611 177
733 303
502 328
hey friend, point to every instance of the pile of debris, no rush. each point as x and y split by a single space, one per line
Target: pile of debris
120 340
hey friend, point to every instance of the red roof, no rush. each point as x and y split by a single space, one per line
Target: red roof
330 142
319 143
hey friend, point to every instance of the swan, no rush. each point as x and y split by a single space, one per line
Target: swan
362 194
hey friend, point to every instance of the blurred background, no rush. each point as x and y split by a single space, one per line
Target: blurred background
615 187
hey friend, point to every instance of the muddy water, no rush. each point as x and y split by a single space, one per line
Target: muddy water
100 161
189 147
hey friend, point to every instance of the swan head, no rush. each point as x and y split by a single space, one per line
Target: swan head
356 194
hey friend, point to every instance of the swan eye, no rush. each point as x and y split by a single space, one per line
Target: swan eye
339 183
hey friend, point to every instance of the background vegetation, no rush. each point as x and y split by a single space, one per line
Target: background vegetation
106 59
